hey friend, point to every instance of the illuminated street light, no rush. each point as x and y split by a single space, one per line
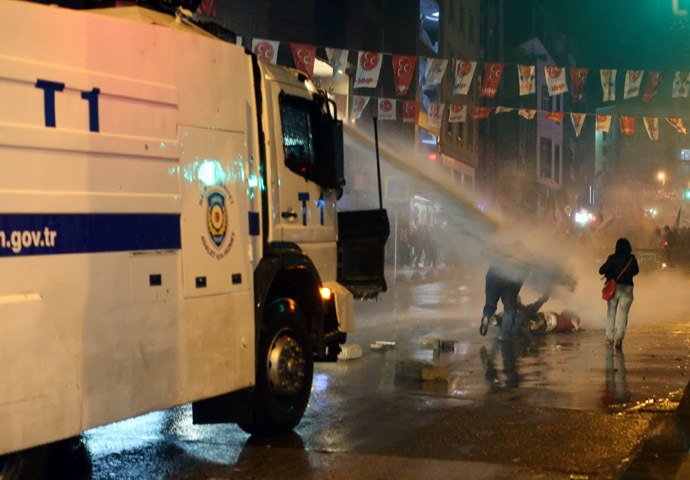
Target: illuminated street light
662 178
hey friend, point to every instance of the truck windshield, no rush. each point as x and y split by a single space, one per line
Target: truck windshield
298 141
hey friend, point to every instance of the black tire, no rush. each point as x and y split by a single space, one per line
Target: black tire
25 465
284 370
67 458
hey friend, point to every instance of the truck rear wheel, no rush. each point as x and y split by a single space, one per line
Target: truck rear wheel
284 370
25 465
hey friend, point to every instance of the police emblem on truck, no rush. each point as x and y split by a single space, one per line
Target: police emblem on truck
217 218
218 232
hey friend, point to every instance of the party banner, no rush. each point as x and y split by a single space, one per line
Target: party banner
411 112
603 123
578 78
492 78
403 71
265 50
555 116
681 82
608 84
480 112
464 71
386 109
457 113
435 68
304 58
578 120
527 113
434 114
633 79
677 123
652 126
653 84
526 79
338 59
627 125
368 69
555 80
207 7
359 103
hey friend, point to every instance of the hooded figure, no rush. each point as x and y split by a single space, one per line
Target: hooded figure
621 266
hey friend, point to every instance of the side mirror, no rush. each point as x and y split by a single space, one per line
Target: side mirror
331 167
338 158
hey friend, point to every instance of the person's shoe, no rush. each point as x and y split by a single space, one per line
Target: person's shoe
619 344
484 327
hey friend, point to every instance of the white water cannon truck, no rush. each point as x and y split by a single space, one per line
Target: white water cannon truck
169 230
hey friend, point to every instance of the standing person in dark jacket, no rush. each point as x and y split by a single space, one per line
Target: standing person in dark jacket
504 281
623 297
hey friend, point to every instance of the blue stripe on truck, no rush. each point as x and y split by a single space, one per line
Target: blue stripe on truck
50 234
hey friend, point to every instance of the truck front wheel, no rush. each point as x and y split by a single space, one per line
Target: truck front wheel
25 465
284 370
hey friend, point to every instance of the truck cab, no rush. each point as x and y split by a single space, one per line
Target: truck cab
169 229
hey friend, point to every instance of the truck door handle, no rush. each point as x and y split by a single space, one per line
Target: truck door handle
288 215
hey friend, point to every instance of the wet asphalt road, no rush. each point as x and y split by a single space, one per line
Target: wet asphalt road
556 406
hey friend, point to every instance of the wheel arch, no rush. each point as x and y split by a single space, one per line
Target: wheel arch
284 272
287 272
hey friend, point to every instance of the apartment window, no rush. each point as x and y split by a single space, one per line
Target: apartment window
557 164
429 23
545 99
449 128
471 29
545 160
461 133
461 26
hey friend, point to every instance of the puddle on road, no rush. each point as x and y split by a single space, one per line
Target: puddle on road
573 371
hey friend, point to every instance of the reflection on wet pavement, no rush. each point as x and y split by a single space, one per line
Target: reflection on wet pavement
562 370
574 371
541 391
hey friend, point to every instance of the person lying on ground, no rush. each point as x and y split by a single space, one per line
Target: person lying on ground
530 320
566 321
524 313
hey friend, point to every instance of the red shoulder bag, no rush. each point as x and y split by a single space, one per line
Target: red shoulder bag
610 285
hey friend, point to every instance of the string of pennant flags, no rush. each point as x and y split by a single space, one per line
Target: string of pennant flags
459 113
369 67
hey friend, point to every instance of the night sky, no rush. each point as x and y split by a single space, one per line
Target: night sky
635 34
